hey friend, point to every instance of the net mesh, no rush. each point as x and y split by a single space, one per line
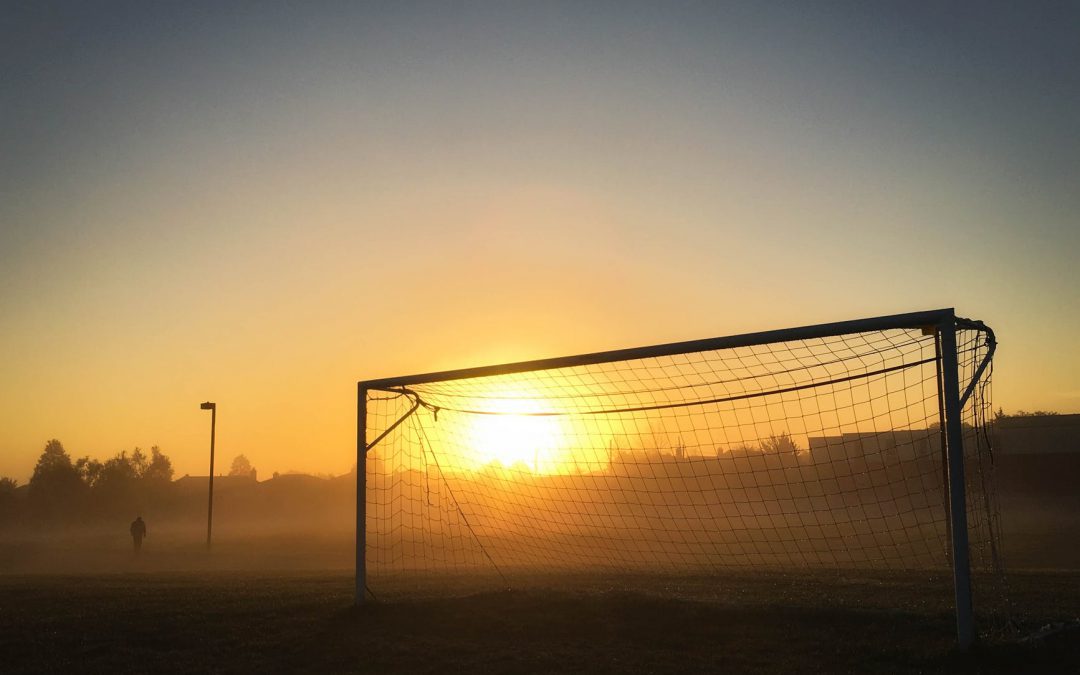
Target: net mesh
809 454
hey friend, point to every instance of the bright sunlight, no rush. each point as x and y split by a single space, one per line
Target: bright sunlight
514 437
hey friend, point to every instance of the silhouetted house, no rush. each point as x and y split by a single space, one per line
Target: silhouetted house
1038 435
876 448
1038 453
296 482
188 483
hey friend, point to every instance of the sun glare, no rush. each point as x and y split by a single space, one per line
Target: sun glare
515 438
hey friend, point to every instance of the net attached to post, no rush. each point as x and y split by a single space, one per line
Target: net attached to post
811 454
975 346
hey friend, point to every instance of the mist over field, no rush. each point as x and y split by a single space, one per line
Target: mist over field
640 512
286 523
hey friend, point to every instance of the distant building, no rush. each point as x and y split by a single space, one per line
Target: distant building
1031 454
1038 435
221 482
1038 454
876 448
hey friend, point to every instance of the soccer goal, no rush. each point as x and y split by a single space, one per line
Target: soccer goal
859 445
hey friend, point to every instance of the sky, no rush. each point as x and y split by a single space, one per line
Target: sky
260 204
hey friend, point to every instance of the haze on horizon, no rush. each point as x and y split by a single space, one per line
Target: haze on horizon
261 205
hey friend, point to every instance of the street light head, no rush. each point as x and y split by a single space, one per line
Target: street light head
207 405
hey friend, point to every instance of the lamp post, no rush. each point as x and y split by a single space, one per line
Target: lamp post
212 407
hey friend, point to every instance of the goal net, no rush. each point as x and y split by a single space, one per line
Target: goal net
820 448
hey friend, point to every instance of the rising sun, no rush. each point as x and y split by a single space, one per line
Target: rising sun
515 437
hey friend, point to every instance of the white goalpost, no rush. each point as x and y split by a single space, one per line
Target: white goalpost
858 445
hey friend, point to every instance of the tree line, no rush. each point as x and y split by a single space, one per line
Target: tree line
63 489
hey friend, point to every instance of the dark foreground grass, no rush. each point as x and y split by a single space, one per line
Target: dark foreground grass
221 622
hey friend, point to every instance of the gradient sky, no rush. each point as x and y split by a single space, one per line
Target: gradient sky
261 204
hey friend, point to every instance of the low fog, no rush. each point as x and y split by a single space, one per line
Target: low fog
76 515
666 512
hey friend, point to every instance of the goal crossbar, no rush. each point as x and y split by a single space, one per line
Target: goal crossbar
823 330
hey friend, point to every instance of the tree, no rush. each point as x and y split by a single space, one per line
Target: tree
7 489
1001 414
89 470
54 461
118 469
56 485
126 482
159 469
7 498
742 450
116 486
139 463
782 444
241 467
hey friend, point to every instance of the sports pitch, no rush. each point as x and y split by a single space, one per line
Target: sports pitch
305 622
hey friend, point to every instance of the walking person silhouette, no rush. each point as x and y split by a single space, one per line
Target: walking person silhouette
138 531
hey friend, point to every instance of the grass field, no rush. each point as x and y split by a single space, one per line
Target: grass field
304 621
